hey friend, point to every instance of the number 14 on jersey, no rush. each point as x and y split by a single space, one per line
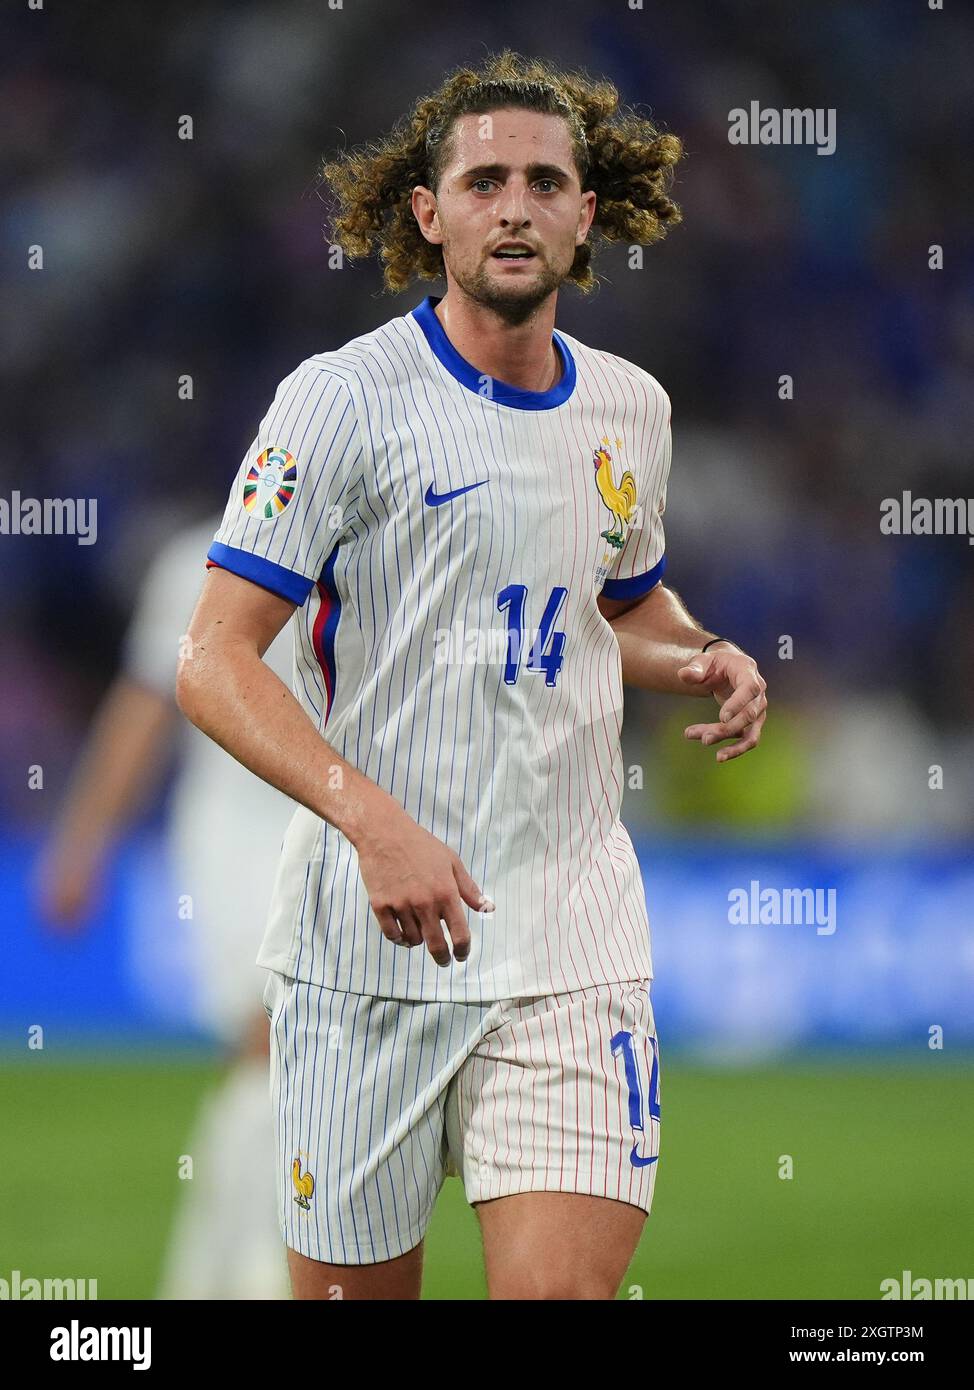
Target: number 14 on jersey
547 649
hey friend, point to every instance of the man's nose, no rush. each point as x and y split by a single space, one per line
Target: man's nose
513 206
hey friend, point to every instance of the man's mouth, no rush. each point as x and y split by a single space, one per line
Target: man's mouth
513 253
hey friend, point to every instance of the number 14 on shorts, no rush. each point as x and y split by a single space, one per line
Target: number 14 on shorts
644 1113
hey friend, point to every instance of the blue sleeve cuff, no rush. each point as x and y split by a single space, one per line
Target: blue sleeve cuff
638 585
281 581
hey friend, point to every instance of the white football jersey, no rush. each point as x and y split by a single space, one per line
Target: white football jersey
446 537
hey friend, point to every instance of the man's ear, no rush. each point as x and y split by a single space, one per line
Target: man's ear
423 203
589 201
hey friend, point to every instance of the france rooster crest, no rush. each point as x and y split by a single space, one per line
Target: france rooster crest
304 1184
620 498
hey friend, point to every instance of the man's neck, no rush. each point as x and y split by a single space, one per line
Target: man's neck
522 354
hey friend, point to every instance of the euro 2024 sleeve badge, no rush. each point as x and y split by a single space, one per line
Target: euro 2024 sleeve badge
270 484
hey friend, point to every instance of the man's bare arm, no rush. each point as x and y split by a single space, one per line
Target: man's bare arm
660 644
224 687
120 764
657 637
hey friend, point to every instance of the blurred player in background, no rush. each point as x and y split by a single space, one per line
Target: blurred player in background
225 832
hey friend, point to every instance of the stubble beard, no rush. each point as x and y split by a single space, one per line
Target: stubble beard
517 303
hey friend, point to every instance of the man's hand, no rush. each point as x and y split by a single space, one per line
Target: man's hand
414 881
66 879
738 687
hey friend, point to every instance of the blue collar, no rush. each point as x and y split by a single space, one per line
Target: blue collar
469 376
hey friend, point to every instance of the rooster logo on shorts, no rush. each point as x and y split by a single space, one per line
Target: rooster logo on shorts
304 1184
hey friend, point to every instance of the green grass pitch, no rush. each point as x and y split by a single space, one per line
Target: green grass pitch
881 1154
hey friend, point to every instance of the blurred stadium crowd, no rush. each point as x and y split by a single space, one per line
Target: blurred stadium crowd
165 257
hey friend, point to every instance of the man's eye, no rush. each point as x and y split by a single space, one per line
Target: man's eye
551 181
480 181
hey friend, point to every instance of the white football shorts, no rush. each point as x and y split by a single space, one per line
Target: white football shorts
376 1101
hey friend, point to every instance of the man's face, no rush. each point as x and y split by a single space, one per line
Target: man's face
510 177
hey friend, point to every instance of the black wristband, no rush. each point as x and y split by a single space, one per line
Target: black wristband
718 639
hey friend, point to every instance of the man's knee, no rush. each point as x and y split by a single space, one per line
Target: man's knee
399 1278
554 1285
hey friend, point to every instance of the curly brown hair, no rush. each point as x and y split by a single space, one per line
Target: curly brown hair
620 156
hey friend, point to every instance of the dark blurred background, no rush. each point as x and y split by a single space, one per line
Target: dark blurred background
165 257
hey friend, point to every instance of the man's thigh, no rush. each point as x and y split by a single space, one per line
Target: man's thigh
358 1090
554 1119
557 1245
400 1279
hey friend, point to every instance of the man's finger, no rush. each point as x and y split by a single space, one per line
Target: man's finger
412 934
456 925
695 671
747 716
391 929
744 745
711 733
433 936
469 890
706 733
748 690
